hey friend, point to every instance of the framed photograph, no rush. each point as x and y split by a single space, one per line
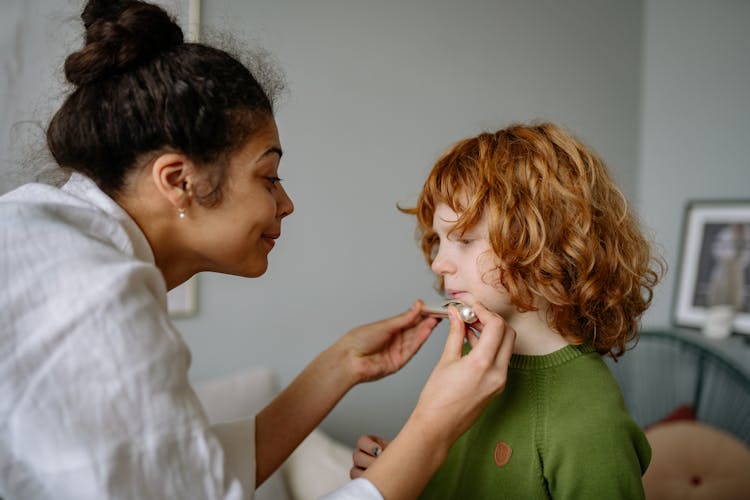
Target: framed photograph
714 262
182 301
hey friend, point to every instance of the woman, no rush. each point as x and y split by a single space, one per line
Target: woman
175 158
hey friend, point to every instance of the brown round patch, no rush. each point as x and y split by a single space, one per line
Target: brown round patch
503 452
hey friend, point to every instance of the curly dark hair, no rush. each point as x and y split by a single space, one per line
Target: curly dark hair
140 88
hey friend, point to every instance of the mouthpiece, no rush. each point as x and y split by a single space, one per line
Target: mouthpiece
466 313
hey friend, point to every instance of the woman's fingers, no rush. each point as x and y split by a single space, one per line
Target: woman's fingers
472 335
405 319
506 349
495 345
489 321
455 341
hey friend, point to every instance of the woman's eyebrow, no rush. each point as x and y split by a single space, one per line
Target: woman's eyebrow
272 150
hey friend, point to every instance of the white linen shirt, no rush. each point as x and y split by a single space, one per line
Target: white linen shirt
94 395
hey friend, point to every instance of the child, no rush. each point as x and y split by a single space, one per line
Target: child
528 222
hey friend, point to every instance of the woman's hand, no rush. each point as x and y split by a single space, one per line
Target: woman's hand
365 353
454 396
381 348
461 386
368 449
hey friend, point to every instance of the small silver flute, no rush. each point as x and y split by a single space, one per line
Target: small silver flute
466 313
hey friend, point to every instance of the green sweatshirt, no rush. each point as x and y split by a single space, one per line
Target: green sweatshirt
559 430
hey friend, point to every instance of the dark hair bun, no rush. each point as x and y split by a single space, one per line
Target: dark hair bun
120 35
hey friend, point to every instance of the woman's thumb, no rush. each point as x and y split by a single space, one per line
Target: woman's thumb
454 344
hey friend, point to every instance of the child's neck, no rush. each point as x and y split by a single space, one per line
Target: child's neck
534 337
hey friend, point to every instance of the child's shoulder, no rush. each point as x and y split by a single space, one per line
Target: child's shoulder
586 392
583 376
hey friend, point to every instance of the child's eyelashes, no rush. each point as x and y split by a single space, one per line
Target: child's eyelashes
274 180
461 241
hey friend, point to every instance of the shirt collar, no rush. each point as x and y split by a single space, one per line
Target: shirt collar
84 188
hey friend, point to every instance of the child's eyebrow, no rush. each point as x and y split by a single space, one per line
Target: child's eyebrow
447 221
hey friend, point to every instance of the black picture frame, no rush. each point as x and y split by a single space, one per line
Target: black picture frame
715 248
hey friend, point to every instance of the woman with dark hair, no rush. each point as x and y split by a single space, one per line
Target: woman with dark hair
174 158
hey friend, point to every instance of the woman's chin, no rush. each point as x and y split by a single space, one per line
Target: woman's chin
257 270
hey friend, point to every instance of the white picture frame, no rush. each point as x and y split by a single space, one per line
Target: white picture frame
713 230
182 301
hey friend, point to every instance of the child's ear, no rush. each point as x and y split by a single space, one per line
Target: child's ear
173 175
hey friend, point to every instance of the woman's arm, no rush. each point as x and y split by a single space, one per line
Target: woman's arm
365 353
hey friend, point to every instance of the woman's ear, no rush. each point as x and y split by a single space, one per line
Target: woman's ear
173 175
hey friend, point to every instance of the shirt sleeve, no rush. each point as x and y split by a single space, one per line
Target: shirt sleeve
358 489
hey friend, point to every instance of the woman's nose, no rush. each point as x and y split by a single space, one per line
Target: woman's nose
285 205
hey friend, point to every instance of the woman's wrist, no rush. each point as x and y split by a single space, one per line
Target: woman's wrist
349 364
341 364
432 431
409 461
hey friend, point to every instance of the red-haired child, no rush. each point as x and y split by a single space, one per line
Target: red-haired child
528 222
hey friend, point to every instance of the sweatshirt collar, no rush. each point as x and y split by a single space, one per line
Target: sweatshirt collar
559 357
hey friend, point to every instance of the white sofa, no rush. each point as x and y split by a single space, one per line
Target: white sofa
319 465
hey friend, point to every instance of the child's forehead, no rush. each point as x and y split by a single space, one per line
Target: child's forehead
446 215
457 200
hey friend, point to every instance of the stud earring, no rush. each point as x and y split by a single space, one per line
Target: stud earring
182 213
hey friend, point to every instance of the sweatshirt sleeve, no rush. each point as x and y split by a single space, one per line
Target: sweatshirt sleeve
600 453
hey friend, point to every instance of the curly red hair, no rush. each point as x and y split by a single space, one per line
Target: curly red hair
558 224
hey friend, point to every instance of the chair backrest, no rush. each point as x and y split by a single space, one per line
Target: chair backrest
666 370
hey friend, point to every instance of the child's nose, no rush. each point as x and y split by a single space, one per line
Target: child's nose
440 265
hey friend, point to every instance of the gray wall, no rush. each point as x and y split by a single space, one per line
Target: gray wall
35 38
377 91
695 118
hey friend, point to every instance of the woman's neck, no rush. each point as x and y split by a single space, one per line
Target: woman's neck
158 221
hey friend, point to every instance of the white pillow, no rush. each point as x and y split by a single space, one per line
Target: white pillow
241 394
318 466
237 394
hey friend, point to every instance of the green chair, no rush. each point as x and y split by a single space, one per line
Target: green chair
668 370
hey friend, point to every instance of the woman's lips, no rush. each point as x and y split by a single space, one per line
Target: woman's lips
270 238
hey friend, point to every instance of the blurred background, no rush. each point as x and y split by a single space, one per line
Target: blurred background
375 92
